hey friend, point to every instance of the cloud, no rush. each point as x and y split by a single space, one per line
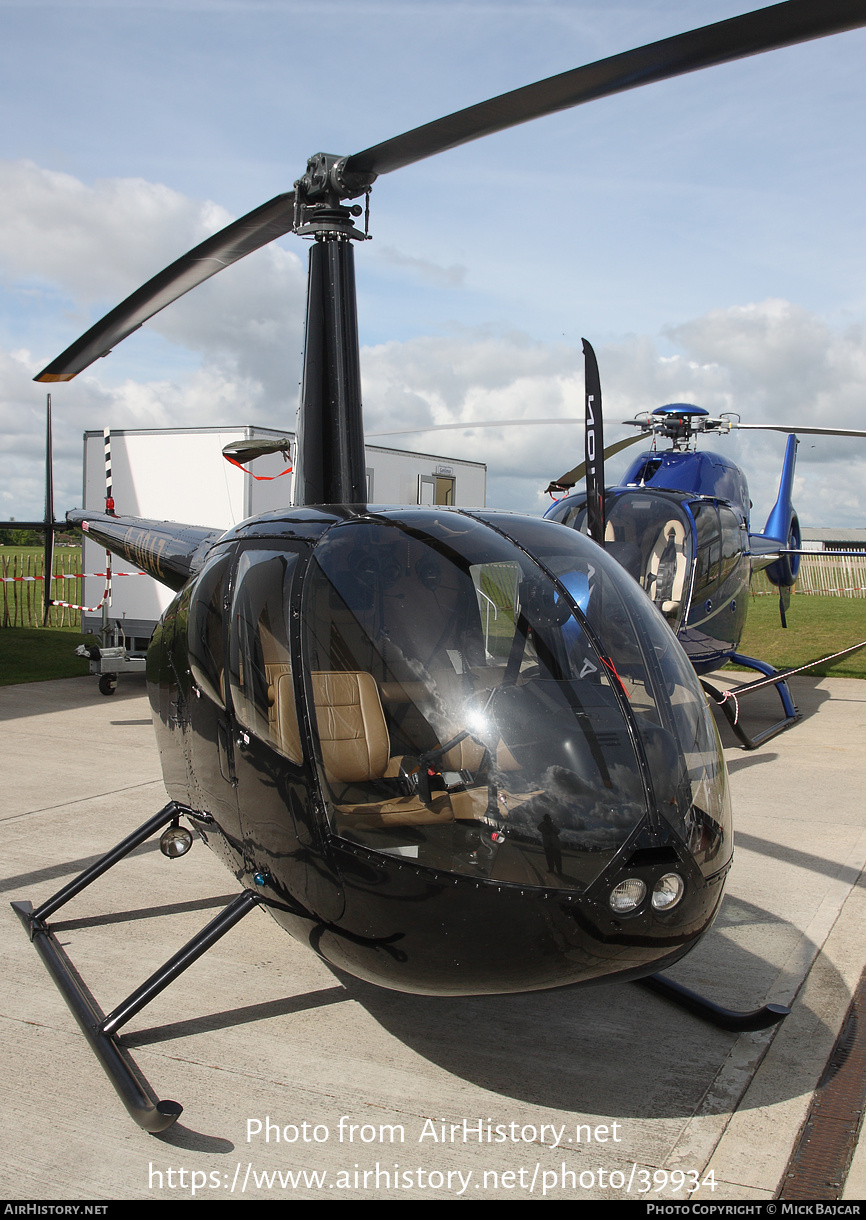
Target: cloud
768 362
782 363
77 249
206 396
93 245
453 276
100 241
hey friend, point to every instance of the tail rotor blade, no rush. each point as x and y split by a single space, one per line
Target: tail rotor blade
593 443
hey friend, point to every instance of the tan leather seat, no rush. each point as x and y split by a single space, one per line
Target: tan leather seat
282 713
355 747
673 531
351 726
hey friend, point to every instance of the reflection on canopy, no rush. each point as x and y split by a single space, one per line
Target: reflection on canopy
466 717
650 536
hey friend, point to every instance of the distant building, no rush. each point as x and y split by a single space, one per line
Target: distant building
834 539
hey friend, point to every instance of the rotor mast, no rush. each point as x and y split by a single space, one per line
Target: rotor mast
331 463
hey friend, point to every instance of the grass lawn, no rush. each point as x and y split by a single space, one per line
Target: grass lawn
71 555
817 626
21 602
35 654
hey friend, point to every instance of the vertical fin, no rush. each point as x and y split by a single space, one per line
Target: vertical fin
779 520
782 524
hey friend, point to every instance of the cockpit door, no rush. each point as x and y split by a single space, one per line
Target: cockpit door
276 781
213 751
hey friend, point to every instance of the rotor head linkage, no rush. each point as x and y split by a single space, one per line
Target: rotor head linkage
319 195
679 422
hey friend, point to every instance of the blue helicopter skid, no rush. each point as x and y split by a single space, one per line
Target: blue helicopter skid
728 701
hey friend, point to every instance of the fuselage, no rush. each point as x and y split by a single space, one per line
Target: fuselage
454 752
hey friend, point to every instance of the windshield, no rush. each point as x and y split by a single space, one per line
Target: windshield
650 536
671 714
465 718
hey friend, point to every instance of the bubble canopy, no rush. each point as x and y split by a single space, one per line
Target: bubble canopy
495 697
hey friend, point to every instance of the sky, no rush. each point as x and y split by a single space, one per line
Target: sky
705 234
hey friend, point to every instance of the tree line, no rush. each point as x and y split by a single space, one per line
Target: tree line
13 537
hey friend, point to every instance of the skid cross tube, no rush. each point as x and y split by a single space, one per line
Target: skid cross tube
191 952
104 863
100 1031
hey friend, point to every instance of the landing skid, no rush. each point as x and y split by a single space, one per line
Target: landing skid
722 1018
728 701
101 1031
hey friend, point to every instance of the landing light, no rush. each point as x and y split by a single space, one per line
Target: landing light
667 891
627 896
175 841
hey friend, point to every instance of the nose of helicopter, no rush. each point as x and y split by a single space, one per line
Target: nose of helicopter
435 932
522 782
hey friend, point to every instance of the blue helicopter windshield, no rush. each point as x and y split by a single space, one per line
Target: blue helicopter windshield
649 534
465 716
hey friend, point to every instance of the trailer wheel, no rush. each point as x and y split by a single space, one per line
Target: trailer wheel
107 684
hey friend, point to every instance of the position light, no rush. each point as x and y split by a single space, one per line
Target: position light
175 841
667 891
627 896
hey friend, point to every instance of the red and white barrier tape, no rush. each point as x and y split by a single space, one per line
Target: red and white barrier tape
70 576
106 595
86 609
781 676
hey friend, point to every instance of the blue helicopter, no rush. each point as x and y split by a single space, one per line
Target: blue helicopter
679 523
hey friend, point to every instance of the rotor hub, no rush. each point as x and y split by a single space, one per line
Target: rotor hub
319 196
680 422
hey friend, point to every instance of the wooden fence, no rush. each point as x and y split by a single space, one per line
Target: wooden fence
824 574
821 573
23 594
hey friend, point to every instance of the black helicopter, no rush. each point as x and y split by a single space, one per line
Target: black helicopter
679 523
454 752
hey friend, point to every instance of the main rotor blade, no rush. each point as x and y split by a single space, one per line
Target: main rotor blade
767 29
480 423
236 240
573 477
797 431
777 26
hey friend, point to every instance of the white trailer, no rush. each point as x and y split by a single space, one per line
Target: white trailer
181 474
171 474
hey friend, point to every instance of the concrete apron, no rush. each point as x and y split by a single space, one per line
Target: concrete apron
351 1092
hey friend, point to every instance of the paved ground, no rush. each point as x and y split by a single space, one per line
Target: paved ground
578 1093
